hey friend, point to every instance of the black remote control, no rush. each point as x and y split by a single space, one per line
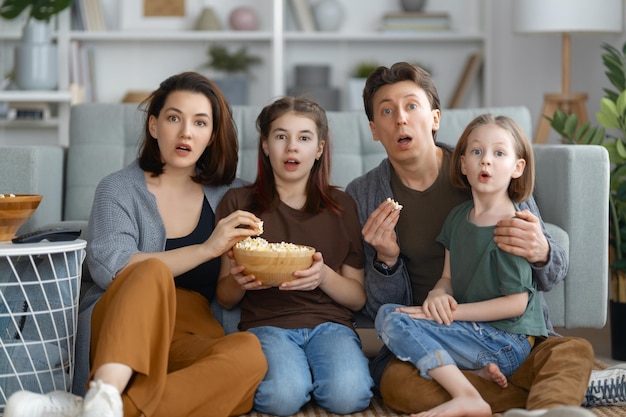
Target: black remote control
56 234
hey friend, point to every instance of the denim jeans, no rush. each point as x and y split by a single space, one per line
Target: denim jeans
468 345
326 361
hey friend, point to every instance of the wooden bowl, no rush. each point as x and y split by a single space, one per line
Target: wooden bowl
14 211
273 267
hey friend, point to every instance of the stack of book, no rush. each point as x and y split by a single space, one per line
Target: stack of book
415 21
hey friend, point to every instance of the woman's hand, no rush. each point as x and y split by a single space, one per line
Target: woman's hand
308 279
379 231
231 229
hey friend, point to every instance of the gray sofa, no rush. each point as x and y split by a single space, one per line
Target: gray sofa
571 185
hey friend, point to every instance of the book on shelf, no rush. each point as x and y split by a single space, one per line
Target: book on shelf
90 15
304 15
473 66
28 111
81 73
416 21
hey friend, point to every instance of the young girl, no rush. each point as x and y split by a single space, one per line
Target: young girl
483 314
154 252
305 326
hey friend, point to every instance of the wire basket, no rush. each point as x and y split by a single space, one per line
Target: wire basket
39 295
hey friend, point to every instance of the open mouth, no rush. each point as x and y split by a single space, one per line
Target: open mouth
405 139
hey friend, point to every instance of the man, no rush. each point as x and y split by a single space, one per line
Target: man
403 261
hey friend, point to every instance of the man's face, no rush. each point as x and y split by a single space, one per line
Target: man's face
403 120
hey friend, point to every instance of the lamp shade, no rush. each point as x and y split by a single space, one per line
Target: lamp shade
545 16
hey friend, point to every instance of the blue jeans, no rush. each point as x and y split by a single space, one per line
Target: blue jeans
326 361
466 344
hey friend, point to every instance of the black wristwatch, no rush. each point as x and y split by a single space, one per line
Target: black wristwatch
385 269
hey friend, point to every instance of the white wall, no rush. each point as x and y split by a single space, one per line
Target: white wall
525 66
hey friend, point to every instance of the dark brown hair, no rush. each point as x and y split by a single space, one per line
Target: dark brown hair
520 189
218 163
318 186
398 72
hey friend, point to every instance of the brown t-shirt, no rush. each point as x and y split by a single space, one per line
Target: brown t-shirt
417 232
337 237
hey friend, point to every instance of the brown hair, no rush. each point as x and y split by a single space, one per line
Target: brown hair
218 163
520 189
318 186
398 72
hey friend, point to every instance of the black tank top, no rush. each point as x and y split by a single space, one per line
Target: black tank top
202 278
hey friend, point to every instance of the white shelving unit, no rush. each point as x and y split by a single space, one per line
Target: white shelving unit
52 131
137 60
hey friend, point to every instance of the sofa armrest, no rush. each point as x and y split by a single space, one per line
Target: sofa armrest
572 191
34 170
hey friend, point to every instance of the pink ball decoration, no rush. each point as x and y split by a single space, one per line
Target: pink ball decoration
244 18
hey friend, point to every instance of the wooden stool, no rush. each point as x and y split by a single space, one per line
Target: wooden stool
569 103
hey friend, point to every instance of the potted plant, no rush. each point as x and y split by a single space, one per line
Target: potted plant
231 72
357 82
36 45
612 135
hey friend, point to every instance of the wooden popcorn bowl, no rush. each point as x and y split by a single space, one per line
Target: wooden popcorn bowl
273 267
14 211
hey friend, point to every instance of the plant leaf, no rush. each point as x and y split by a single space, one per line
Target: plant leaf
10 9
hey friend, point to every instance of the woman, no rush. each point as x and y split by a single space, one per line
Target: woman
154 250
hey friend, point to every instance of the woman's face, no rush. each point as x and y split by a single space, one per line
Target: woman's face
183 129
292 147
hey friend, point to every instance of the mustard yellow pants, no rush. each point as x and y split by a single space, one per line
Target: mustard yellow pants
555 373
183 363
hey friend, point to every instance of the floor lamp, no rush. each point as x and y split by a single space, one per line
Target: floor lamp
565 17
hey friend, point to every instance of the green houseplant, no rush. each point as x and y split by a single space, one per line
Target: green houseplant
36 54
231 71
37 9
612 135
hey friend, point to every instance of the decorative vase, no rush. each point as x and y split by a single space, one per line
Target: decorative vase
329 15
234 87
244 18
412 5
36 58
355 93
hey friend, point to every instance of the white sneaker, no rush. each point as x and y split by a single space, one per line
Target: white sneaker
561 411
607 387
53 404
102 400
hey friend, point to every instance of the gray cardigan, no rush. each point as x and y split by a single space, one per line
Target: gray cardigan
124 220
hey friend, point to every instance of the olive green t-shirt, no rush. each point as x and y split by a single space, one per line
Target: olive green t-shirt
421 220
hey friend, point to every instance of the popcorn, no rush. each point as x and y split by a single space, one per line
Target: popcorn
397 206
4 195
260 244
259 228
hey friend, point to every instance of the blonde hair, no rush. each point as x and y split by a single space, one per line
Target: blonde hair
520 189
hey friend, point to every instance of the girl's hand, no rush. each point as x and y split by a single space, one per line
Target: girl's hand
246 282
439 306
415 312
231 229
308 279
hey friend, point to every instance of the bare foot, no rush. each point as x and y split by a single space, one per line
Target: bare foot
491 372
459 406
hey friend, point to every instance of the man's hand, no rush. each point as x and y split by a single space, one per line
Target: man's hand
522 236
379 231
